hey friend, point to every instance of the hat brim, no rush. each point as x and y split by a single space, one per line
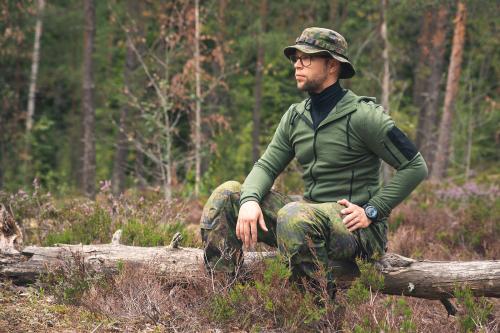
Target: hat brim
347 69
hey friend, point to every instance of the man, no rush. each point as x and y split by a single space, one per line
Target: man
339 139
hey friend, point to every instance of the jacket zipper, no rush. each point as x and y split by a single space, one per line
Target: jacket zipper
350 186
350 148
394 156
347 131
314 163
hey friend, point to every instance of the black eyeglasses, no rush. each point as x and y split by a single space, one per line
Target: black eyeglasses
305 60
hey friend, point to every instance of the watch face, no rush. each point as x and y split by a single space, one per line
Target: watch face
371 212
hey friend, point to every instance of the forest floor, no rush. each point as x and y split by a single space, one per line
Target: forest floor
26 310
453 222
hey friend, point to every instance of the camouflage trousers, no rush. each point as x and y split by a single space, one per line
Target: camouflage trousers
308 235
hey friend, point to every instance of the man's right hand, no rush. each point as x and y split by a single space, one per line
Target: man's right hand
246 226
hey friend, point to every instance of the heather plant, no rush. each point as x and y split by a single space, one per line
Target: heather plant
448 221
476 311
71 279
33 203
404 311
145 218
381 314
30 207
86 227
270 300
369 280
156 234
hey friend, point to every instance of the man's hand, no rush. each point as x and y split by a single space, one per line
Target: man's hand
354 216
246 227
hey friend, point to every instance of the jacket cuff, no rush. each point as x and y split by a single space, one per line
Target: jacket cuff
249 198
382 209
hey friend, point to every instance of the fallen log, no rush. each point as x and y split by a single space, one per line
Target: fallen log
403 276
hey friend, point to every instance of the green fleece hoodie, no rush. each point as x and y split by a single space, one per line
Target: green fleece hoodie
341 158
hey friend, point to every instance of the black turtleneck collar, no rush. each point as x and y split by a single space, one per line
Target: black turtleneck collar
323 102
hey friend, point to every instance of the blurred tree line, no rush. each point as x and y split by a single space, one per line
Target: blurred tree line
183 95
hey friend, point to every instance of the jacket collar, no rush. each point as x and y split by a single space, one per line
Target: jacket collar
346 105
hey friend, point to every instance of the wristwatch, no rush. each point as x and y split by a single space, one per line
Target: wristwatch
371 212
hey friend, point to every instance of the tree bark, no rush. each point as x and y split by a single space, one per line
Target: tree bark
454 70
428 79
421 71
403 276
259 68
89 158
333 12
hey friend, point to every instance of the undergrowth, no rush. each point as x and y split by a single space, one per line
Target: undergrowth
448 221
476 312
145 218
456 221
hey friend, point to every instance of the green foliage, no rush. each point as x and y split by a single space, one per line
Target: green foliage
358 293
369 275
370 279
269 299
476 311
85 228
229 48
153 234
402 309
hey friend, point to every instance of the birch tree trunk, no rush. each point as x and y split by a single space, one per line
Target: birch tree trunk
259 68
34 65
30 112
454 70
89 159
386 80
197 126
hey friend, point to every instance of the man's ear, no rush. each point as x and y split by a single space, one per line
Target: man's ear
336 66
333 66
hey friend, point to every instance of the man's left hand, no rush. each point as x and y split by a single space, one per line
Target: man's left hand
354 216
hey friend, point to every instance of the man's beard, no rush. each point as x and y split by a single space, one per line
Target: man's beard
312 85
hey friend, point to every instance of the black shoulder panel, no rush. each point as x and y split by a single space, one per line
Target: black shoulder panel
401 141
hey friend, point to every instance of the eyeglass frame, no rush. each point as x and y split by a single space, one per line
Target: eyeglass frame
310 56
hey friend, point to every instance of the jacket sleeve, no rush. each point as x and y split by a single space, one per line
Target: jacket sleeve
379 133
274 160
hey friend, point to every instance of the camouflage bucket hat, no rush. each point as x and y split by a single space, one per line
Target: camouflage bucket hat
320 40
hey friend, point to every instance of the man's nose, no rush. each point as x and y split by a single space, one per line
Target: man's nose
297 64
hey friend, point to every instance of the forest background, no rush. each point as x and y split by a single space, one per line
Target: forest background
162 101
145 127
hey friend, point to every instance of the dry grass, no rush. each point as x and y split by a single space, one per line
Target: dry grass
437 223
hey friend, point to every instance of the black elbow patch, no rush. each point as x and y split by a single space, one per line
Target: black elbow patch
402 143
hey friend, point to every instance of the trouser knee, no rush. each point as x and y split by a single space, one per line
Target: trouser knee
292 226
223 197
222 248
301 240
